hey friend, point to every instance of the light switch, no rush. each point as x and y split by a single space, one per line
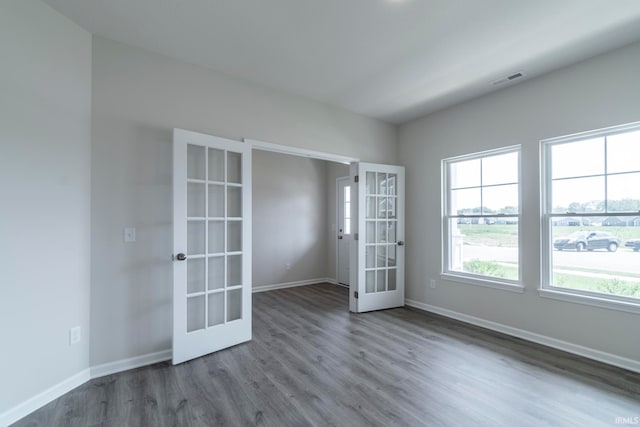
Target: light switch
129 234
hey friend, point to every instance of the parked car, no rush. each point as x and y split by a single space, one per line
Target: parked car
588 240
633 244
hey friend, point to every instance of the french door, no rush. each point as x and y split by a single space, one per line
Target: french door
212 244
377 261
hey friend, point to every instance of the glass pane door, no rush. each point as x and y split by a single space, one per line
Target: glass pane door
214 237
212 244
381 223
378 265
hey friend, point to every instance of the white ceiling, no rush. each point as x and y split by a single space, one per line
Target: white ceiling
390 59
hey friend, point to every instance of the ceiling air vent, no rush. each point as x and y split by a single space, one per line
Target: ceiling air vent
509 78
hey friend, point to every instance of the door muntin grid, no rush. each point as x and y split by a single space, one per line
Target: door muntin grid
214 237
380 233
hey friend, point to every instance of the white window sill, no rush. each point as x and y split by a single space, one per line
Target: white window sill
578 297
487 283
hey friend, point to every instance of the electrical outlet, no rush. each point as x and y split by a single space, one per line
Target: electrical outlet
432 284
74 335
287 266
129 234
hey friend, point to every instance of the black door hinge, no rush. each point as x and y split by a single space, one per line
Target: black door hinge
356 178
355 294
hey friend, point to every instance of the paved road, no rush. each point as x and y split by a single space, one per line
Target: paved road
624 260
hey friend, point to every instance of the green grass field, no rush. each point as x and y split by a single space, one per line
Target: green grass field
617 285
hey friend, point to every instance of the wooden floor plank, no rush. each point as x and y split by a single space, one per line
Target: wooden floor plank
312 363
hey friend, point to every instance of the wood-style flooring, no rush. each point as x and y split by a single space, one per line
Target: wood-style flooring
312 363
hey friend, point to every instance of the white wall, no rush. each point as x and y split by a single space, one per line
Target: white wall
600 92
138 97
289 218
45 143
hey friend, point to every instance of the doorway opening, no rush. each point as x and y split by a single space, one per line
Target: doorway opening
295 217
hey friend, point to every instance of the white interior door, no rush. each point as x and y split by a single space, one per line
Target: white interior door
344 234
212 244
377 265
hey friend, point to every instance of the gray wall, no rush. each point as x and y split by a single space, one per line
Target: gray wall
600 92
289 218
138 97
45 135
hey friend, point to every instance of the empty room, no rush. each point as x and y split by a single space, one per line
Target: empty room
305 212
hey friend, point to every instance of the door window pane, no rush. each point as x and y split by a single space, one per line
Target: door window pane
216 272
216 201
370 256
371 208
195 237
234 167
195 199
234 202
216 237
234 270
381 280
195 162
392 203
234 305
195 313
392 180
370 184
391 255
391 231
382 207
216 308
216 165
370 281
381 183
381 257
195 275
234 236
371 232
392 279
382 232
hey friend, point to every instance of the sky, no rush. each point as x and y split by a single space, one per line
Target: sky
578 173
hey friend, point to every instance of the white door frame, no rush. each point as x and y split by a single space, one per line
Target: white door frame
300 152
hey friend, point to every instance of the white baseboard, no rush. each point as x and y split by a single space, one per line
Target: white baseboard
293 284
39 400
130 363
590 353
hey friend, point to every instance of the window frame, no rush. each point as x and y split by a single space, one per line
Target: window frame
546 288
447 272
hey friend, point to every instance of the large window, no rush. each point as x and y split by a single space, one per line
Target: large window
481 218
591 215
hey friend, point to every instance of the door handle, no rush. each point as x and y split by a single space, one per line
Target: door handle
181 257
339 237
400 242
